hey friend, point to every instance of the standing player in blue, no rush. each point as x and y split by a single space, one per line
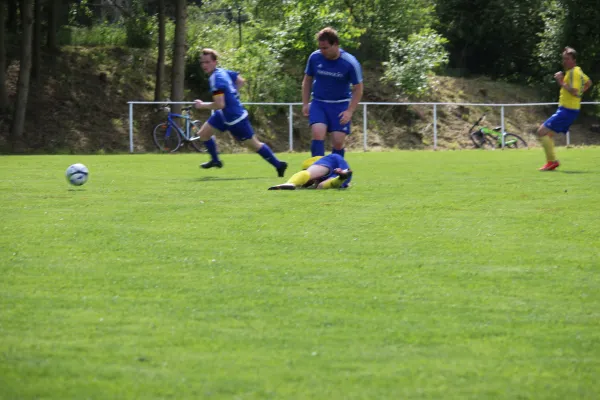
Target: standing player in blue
229 114
328 75
329 172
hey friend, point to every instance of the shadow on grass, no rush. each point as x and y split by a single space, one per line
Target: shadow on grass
576 172
216 178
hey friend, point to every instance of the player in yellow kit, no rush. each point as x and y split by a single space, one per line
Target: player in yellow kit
573 83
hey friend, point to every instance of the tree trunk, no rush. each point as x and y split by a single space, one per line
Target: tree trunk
53 11
160 62
18 123
37 42
11 24
177 85
3 92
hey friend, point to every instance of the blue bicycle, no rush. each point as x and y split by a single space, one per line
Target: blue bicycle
169 136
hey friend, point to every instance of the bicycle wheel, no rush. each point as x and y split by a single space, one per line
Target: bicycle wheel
482 141
166 140
512 141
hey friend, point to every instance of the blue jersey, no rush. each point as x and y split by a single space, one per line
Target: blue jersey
222 82
332 78
333 161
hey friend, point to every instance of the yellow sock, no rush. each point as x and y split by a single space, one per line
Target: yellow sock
299 178
334 183
548 144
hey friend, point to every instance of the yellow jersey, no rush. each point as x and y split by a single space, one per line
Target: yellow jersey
576 79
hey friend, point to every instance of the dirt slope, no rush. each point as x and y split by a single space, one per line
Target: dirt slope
80 106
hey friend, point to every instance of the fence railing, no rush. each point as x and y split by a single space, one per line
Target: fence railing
365 115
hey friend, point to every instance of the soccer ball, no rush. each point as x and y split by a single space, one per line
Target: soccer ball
77 174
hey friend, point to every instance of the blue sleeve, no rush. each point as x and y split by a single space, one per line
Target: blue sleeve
355 70
233 75
309 70
343 164
219 83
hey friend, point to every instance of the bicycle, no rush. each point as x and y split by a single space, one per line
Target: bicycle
484 137
169 136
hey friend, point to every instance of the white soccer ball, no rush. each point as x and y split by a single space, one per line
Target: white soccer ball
77 174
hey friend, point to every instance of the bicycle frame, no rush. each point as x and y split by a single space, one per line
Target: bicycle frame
498 135
172 123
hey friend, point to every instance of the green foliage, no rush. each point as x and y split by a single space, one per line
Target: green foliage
139 26
413 60
96 35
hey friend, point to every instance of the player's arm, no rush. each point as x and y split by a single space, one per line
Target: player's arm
307 83
218 102
587 85
357 92
239 82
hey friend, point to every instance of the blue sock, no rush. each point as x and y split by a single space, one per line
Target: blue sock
317 147
341 151
266 153
211 146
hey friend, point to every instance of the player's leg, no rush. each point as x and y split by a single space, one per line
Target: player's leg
244 132
206 133
338 130
318 126
342 179
546 138
301 178
338 140
560 122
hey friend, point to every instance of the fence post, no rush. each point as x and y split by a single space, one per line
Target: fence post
365 127
502 124
131 127
435 126
291 127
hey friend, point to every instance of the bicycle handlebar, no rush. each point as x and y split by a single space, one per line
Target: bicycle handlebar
477 123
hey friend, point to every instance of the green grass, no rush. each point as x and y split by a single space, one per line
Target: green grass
439 275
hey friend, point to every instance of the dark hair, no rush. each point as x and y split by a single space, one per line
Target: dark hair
210 52
328 35
570 51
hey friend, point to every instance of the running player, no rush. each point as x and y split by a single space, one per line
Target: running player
230 115
573 83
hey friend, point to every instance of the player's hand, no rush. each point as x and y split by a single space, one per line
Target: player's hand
345 117
198 104
305 108
559 76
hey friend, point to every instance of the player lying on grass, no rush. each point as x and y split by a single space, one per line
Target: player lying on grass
329 172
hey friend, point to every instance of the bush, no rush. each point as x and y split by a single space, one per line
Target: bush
413 60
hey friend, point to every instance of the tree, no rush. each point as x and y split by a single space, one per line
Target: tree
3 92
53 13
37 41
179 49
160 62
18 123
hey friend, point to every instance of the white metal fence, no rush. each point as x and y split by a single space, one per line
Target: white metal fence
365 115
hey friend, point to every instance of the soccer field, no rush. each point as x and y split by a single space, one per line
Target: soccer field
438 275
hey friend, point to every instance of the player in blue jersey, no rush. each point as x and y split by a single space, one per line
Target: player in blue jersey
335 79
318 172
230 115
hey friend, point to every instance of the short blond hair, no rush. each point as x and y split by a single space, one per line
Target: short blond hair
210 52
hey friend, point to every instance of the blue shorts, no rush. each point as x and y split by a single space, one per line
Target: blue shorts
240 131
333 161
329 114
562 120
